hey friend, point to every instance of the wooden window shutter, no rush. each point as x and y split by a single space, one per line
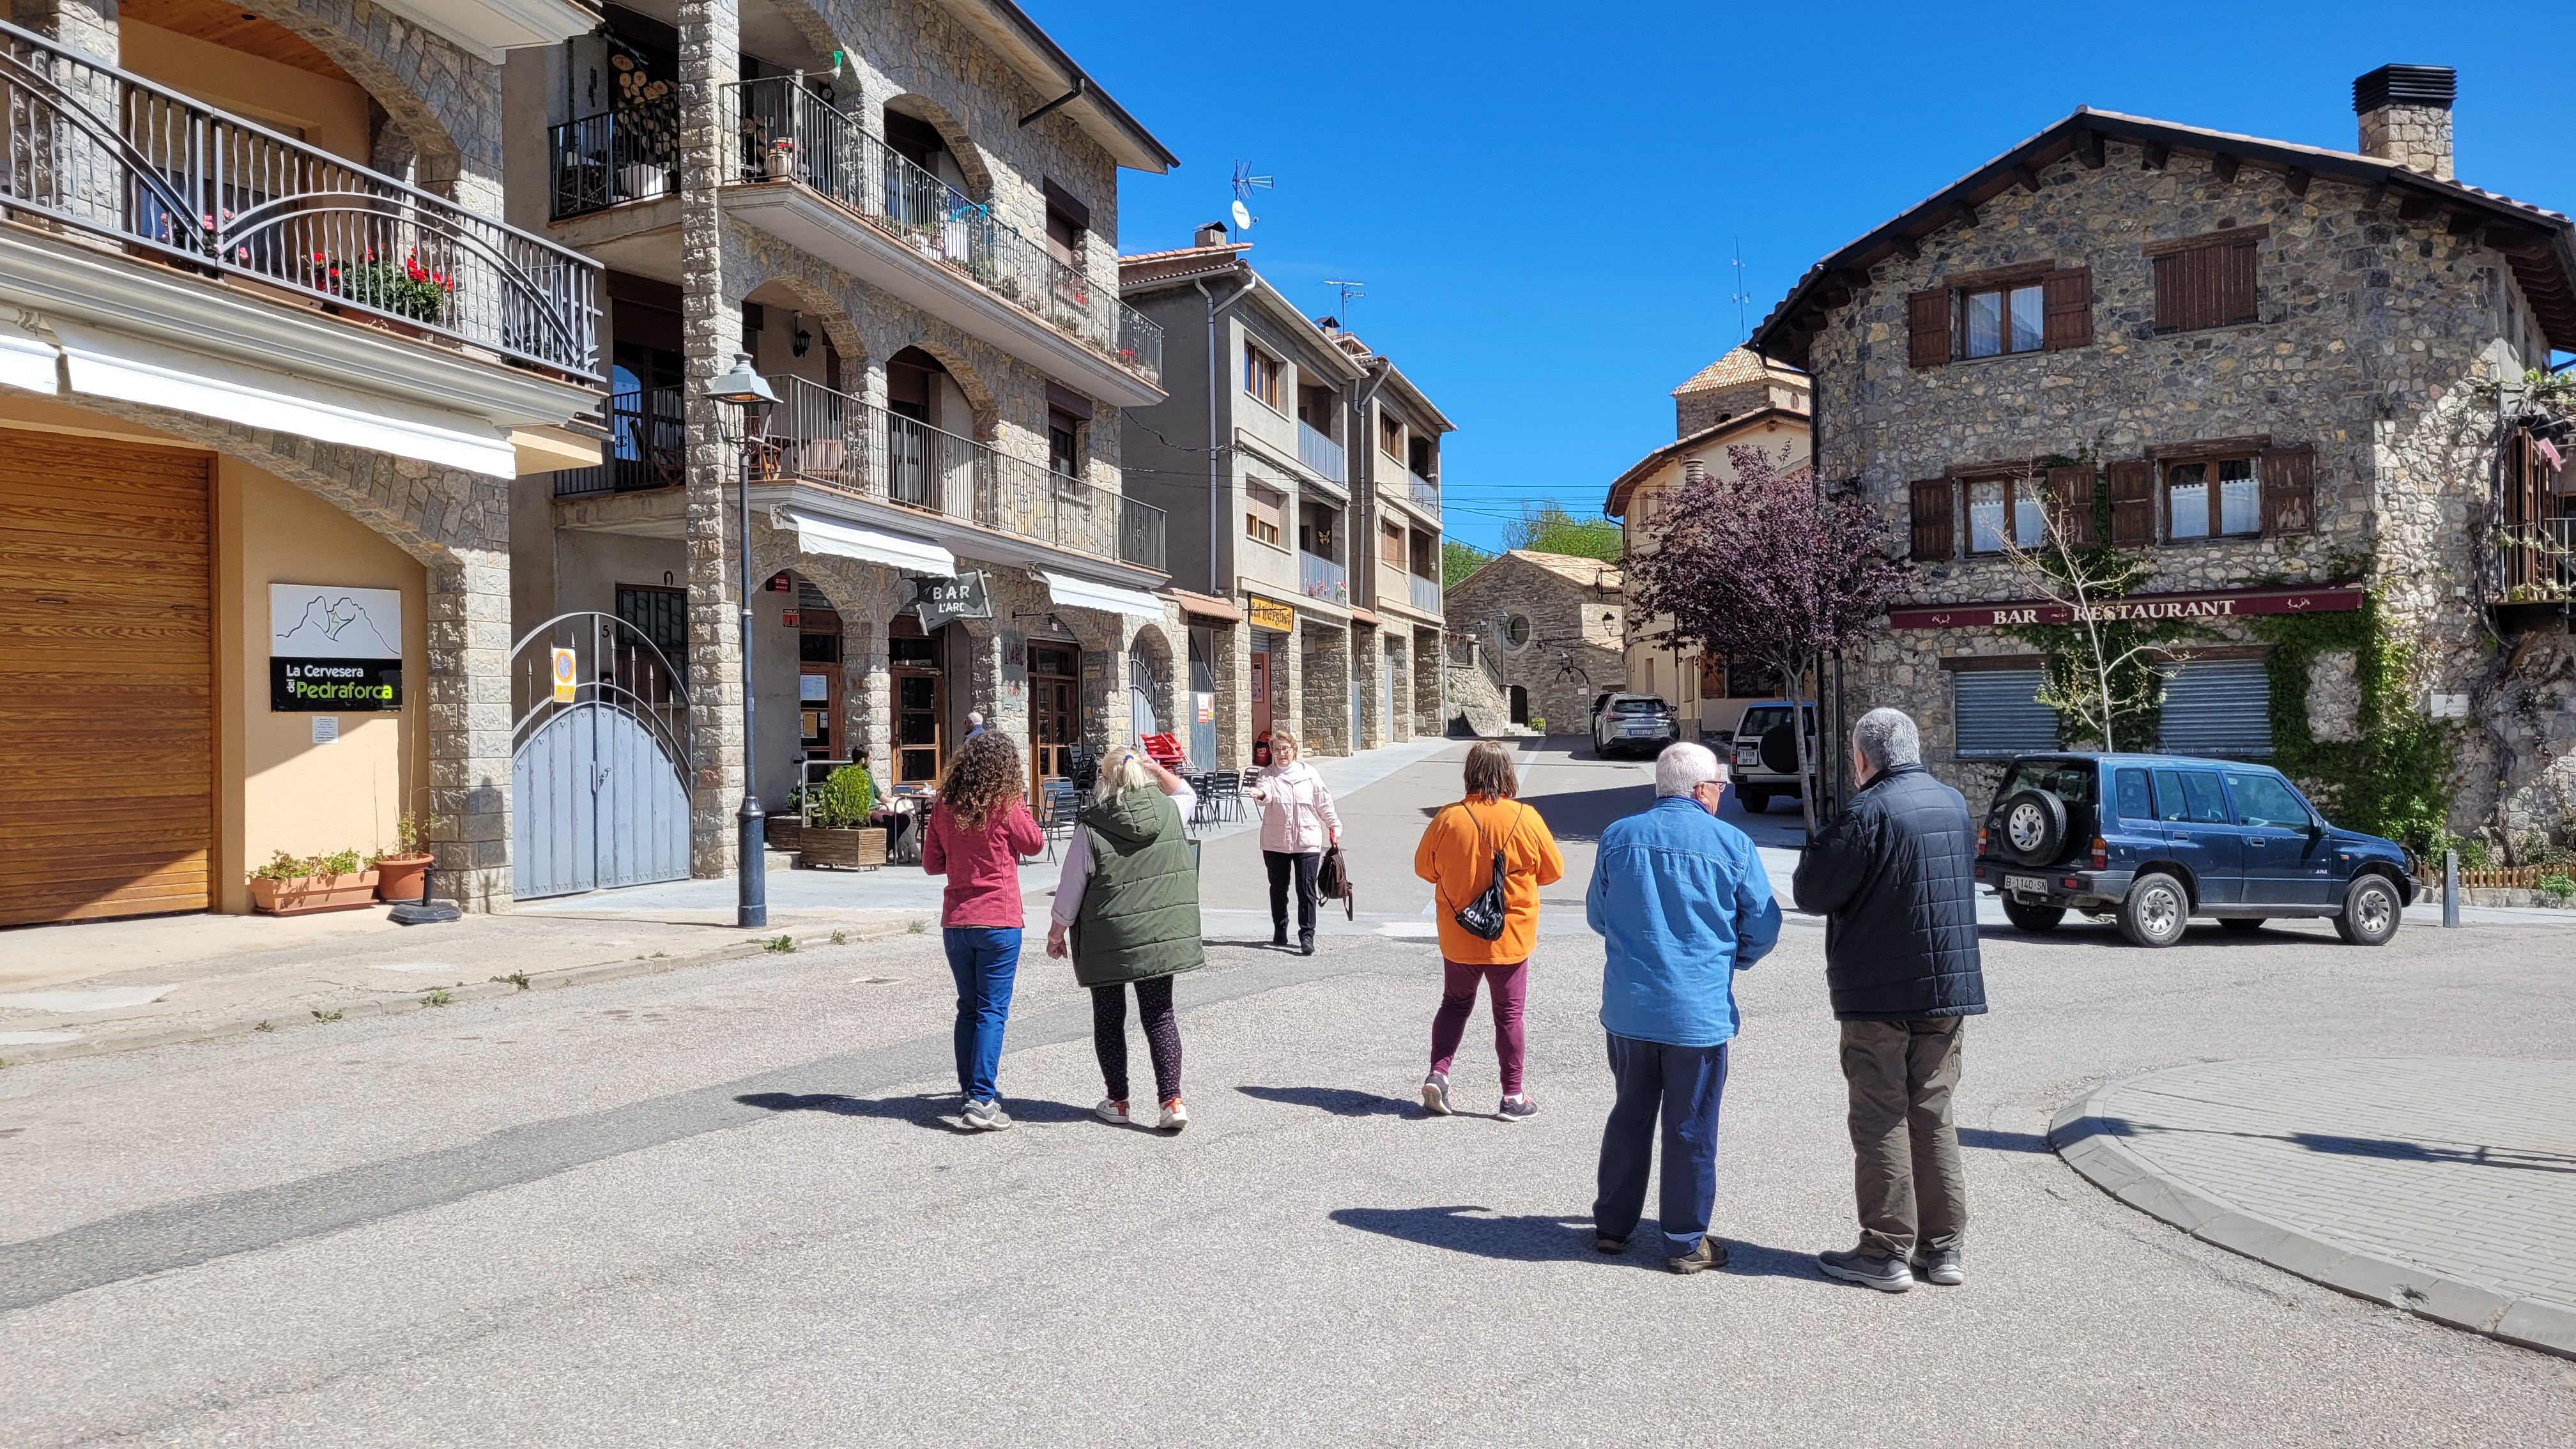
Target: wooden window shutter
1931 520
2289 489
2211 286
2133 503
2070 493
2233 266
1927 327
2068 297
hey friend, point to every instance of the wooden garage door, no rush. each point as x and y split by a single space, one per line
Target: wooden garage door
106 680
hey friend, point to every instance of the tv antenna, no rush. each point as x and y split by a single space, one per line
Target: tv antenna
1351 290
1245 183
1740 296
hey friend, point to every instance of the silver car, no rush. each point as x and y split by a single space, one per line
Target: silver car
1639 722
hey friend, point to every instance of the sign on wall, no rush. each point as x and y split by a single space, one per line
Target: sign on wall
334 648
1276 617
2196 607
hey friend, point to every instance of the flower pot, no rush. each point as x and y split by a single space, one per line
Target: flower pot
399 877
784 832
863 849
307 894
782 165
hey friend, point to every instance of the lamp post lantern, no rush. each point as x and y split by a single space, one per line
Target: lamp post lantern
743 389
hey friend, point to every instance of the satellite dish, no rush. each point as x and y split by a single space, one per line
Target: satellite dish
1242 216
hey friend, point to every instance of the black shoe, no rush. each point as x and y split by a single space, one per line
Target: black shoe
1608 1246
1709 1254
1887 1275
1305 943
1279 935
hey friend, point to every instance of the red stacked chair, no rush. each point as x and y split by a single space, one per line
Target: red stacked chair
1165 750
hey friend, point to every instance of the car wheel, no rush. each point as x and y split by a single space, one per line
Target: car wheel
1755 801
2370 912
2034 824
2033 918
2155 911
2241 925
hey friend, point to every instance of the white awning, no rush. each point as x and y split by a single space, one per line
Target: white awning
28 361
131 369
1081 593
817 534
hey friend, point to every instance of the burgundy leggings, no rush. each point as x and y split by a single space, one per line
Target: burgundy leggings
1458 1002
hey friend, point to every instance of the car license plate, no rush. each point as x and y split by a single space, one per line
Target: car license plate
2026 885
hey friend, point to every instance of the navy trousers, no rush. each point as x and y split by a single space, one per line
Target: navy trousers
1682 1084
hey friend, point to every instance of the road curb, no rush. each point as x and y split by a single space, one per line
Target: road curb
397 1003
2088 1142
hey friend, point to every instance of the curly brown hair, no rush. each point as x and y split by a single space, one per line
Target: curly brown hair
983 777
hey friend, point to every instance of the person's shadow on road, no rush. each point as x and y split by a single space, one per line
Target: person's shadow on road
1340 1101
935 1110
1533 1238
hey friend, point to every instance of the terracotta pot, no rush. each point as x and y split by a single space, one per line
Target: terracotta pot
399 877
849 849
307 894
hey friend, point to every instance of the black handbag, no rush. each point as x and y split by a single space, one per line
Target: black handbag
1482 917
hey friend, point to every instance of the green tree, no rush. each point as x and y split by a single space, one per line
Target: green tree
1457 560
1548 528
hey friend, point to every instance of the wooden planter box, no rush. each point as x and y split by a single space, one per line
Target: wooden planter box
842 849
307 894
783 832
399 877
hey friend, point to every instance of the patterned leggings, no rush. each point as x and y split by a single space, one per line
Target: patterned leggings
1162 1035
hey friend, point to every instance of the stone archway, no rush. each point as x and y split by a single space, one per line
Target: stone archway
1153 691
443 106
971 161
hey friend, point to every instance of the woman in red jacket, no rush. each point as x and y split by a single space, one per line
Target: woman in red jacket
979 827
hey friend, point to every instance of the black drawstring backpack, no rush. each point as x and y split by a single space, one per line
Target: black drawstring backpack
1482 917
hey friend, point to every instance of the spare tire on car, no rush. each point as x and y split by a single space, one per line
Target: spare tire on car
2034 827
1779 750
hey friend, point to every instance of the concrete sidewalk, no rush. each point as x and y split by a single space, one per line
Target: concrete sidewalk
2440 1186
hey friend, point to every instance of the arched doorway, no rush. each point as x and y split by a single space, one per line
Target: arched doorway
1055 708
920 705
931 458
1520 705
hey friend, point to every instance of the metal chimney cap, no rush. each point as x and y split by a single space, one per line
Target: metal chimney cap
2430 86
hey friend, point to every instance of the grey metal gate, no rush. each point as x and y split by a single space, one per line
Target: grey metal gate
599 759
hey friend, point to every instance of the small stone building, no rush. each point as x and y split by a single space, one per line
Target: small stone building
2271 371
1547 630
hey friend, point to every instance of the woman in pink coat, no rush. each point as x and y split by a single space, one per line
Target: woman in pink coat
1297 822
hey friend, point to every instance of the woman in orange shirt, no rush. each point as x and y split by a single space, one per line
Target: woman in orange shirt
1457 856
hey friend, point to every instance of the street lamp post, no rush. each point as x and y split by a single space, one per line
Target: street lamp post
744 389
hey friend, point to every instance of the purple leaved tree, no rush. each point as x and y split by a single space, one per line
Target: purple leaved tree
1766 567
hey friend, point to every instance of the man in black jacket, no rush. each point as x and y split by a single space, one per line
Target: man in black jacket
1895 875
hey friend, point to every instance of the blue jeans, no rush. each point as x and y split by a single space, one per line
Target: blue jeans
984 959
1684 1084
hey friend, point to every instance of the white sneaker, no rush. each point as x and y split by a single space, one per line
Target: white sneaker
987 1116
1175 1116
1113 1110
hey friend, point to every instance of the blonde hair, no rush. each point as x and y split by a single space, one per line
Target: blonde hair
1123 771
1283 748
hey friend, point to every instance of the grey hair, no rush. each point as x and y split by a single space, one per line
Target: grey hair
1886 739
1123 771
974 717
1684 767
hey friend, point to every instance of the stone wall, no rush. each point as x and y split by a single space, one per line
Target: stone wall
2372 331
1574 645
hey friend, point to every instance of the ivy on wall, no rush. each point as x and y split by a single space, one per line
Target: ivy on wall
2391 780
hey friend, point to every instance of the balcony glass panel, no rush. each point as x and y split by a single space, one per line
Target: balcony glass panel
98 150
1322 578
789 133
817 435
1422 491
1319 452
1426 594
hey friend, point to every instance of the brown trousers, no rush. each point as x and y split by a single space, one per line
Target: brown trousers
1907 1176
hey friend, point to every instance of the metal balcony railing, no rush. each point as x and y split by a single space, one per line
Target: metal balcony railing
818 435
789 133
1319 452
1322 578
2536 562
94 149
1426 593
611 158
646 447
1422 490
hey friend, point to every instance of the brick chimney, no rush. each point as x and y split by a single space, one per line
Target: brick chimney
1213 234
2405 115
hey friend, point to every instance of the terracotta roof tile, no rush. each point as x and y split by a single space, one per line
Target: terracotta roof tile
1739 366
1588 572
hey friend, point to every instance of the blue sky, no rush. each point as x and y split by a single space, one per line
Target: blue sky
1544 211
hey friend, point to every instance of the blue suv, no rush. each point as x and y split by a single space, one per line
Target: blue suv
2153 840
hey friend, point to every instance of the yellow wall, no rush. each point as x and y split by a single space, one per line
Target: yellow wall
293 794
331 114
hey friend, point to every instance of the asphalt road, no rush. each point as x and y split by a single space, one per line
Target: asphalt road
728 1205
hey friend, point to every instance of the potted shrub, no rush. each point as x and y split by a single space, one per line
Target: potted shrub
400 871
837 812
287 886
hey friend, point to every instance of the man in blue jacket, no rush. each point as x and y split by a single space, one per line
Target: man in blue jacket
1682 904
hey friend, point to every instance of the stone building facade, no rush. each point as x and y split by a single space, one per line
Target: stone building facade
2152 320
1549 631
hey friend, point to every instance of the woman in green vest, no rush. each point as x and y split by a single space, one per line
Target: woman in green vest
1127 906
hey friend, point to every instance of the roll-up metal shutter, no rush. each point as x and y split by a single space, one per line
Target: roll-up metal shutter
2217 707
1265 641
1997 713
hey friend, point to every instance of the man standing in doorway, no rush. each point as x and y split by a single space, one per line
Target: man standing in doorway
1895 875
974 723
